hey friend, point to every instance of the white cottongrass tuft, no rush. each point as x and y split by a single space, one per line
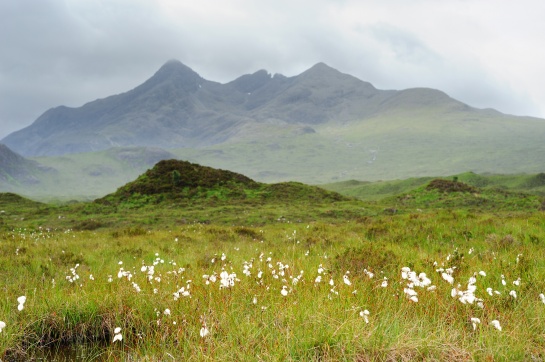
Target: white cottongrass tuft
496 324
474 322
117 335
365 315
21 300
2 325
227 280
204 331
542 297
447 277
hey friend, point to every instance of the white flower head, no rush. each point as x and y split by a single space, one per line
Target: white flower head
21 300
496 324
117 335
2 325
474 322
447 277
204 332
365 315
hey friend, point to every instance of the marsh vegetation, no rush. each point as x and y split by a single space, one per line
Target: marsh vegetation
213 278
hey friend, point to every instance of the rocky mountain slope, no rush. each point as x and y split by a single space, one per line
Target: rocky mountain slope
17 171
177 108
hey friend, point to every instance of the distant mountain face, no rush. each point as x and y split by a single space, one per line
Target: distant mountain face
15 170
320 126
177 108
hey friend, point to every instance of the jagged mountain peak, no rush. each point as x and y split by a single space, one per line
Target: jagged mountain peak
250 82
322 74
321 66
174 71
322 69
174 65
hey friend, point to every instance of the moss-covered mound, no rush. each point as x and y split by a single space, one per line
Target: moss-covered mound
173 175
297 191
449 186
173 180
441 193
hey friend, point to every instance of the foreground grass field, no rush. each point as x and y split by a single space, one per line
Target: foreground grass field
418 285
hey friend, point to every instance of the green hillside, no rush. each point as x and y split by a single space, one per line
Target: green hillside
526 183
449 194
430 142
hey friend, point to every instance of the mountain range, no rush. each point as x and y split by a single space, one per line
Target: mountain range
316 127
177 108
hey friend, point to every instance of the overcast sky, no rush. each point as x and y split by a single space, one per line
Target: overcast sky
488 54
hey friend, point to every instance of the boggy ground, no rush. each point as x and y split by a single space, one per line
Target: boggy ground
435 284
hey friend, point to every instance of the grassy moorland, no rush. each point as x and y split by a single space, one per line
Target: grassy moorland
446 272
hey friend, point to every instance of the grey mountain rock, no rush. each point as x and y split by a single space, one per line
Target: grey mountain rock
177 108
15 170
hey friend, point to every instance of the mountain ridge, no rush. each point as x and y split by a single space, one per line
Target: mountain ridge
177 108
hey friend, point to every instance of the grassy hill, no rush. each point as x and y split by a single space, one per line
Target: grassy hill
448 194
526 183
173 180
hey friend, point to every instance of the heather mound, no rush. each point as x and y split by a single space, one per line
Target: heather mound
449 186
440 193
174 180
